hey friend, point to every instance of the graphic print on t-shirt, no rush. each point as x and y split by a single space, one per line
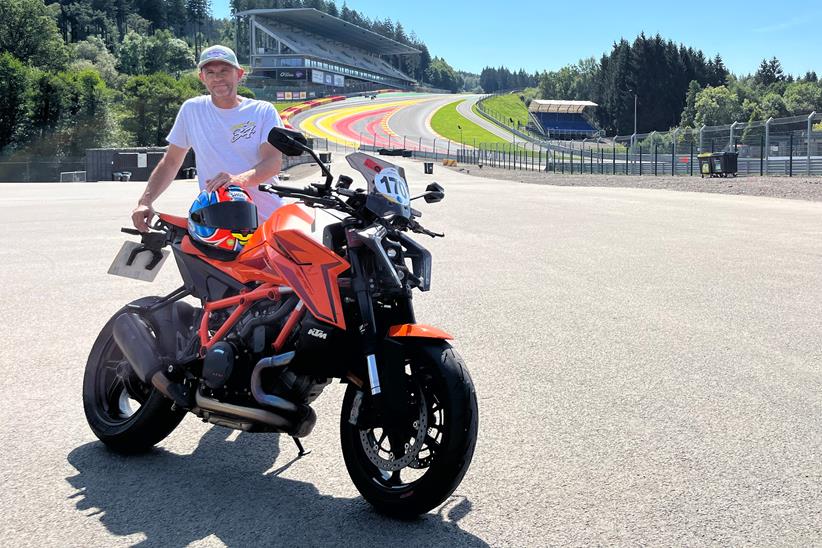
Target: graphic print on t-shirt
246 130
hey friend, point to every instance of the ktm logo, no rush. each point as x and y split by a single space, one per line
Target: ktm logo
320 334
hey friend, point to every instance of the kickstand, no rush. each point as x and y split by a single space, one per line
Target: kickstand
302 452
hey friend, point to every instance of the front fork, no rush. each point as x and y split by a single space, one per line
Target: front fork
368 329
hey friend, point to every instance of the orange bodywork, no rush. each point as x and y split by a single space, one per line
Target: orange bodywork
180 222
281 253
418 330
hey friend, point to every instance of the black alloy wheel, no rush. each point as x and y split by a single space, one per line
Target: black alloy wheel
126 414
409 469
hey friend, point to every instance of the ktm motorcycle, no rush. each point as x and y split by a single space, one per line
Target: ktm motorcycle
303 303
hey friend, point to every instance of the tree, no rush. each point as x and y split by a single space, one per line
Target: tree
151 103
14 92
92 52
165 53
198 11
717 74
689 114
771 106
803 98
29 32
176 16
717 106
769 72
133 53
440 75
160 52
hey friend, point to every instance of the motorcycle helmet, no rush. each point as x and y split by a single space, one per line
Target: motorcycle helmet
223 219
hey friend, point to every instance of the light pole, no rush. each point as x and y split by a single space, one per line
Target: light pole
633 144
511 121
462 140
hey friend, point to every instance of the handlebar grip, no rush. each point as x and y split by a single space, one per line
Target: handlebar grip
280 189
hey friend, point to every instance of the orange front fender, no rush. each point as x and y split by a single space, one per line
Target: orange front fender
418 330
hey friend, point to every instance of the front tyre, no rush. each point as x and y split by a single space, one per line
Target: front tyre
408 474
122 411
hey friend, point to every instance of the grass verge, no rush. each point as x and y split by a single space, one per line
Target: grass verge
446 120
282 105
505 107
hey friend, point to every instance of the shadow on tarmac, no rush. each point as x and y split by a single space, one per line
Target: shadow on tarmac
232 490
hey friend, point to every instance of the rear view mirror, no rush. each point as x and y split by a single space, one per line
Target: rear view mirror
288 141
434 193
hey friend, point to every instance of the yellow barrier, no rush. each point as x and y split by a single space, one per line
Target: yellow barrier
449 163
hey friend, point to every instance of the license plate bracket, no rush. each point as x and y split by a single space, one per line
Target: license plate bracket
138 262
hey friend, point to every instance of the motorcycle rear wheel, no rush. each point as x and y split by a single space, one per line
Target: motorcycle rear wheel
446 414
124 413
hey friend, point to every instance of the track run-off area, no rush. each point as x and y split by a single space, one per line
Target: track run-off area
391 120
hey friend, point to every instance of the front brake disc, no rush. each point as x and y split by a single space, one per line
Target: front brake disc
373 448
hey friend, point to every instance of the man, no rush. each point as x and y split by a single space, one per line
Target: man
228 134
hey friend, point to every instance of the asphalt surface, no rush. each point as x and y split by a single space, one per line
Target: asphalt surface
647 365
390 120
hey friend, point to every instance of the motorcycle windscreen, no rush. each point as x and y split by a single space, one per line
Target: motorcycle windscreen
388 194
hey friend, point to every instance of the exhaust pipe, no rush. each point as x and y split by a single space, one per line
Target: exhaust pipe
300 427
138 345
140 349
280 404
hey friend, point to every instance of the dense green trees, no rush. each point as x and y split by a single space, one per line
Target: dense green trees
673 85
494 80
151 104
440 75
58 98
28 31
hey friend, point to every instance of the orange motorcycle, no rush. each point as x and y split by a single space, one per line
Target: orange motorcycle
301 303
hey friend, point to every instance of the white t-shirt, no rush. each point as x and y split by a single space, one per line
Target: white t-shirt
227 140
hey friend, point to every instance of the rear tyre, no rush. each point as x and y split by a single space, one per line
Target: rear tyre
438 442
126 414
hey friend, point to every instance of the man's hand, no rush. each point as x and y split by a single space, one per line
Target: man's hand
225 179
141 216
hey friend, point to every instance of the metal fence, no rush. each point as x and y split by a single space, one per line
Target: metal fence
38 169
778 146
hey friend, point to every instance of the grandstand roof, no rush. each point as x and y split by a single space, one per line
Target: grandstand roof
317 22
553 105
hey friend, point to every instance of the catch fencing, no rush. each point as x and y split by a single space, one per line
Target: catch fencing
38 169
778 146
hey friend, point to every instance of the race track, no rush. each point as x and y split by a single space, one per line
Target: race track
392 120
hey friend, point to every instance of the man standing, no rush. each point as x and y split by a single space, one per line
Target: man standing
228 134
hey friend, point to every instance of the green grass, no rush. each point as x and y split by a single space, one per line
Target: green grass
282 105
505 107
446 120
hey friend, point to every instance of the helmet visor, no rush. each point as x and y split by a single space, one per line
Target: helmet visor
234 216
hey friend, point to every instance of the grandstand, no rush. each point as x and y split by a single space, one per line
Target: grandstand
307 52
562 119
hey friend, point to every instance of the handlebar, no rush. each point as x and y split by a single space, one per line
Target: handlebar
311 195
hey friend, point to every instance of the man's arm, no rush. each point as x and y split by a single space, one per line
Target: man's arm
160 179
266 168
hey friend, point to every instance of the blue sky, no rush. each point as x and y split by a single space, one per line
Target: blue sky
540 35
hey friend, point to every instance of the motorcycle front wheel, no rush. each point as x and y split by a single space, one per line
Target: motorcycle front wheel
408 474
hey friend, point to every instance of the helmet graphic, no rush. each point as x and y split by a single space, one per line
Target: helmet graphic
223 219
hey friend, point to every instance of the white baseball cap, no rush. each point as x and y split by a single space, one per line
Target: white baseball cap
218 53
